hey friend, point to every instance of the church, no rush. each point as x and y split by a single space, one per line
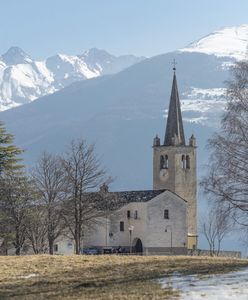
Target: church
159 221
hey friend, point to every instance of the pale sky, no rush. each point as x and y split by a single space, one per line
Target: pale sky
142 27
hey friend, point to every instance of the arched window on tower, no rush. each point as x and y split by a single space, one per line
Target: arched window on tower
161 162
183 162
187 162
166 162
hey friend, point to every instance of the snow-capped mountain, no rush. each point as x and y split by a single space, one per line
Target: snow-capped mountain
114 110
229 42
14 56
22 79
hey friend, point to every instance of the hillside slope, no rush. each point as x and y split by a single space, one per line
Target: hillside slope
122 113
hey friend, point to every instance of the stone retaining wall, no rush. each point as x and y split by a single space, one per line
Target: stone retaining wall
200 252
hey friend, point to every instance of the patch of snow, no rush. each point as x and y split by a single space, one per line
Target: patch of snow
230 286
207 94
29 276
226 65
201 111
202 105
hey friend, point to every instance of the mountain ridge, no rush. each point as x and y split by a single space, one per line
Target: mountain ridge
122 110
23 79
231 41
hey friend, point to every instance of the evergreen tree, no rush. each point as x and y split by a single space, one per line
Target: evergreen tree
9 160
11 175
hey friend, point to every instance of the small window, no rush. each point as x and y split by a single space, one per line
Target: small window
136 214
166 162
166 214
161 162
183 162
55 248
128 214
187 162
121 226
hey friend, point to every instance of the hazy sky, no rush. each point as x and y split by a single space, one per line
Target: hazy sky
142 27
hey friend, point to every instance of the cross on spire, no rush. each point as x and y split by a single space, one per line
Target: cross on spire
174 63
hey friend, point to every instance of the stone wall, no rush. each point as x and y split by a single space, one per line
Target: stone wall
200 252
178 179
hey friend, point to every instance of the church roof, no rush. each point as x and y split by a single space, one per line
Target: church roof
114 200
174 134
137 196
120 199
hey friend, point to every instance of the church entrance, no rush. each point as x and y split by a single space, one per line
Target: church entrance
137 246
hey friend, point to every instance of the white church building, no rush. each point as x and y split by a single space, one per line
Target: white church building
158 221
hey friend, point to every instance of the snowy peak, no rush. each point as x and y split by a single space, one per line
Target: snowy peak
96 54
99 60
14 56
229 41
23 80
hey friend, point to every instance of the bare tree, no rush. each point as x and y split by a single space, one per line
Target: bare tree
227 179
84 175
36 228
50 184
17 194
216 224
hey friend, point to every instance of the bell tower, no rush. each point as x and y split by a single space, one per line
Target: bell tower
174 162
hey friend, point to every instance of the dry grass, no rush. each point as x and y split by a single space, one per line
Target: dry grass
99 277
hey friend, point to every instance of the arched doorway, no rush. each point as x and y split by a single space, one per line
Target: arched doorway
137 246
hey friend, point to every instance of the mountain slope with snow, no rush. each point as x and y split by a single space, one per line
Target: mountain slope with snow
122 113
230 42
23 79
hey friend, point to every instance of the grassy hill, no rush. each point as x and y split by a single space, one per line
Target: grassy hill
100 277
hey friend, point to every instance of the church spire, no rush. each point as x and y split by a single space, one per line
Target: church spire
174 134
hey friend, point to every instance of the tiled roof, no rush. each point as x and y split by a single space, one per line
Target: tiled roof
115 200
137 196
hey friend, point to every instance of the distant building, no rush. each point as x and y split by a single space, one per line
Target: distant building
158 221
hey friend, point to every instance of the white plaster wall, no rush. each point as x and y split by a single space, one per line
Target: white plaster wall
150 226
122 238
158 229
65 246
98 234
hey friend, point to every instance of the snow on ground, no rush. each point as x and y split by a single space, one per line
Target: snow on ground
230 286
203 106
228 41
29 276
200 110
204 112
208 94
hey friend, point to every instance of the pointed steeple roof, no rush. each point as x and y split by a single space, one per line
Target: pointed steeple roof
174 134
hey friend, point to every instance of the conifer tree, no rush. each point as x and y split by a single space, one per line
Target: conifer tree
9 160
11 192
